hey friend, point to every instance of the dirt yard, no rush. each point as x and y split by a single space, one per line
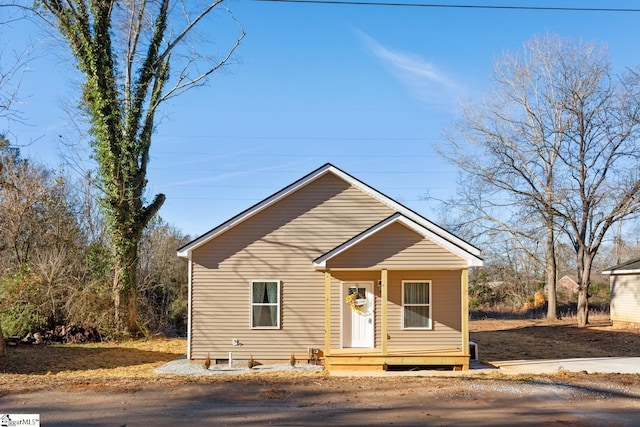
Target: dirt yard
541 339
114 384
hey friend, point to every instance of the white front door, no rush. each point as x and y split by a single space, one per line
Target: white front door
357 315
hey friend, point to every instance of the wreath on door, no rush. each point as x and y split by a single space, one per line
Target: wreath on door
356 301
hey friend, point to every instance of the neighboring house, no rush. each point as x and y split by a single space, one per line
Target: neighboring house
568 284
274 280
624 282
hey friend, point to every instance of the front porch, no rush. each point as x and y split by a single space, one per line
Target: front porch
349 359
432 351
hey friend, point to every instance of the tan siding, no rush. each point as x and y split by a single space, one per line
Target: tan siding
397 247
445 311
447 321
625 298
279 243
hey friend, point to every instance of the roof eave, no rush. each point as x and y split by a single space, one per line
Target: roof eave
628 267
614 272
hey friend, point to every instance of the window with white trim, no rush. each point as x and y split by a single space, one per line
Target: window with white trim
416 304
265 304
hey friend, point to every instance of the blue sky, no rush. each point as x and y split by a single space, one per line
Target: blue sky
369 89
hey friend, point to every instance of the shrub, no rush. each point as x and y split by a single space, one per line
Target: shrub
538 299
19 320
482 295
600 293
25 305
92 306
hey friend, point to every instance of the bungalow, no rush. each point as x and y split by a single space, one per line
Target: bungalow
624 282
330 269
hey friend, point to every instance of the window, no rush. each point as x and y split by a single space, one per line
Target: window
265 304
416 305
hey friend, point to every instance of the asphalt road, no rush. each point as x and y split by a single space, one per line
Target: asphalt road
406 401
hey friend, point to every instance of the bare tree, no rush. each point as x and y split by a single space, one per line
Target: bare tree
41 245
553 145
24 194
133 55
507 146
11 70
599 163
12 65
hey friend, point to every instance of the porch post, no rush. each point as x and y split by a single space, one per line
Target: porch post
383 296
327 312
464 300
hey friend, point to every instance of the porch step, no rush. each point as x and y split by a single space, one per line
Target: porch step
379 362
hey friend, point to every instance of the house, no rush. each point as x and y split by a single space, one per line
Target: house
568 284
328 268
624 282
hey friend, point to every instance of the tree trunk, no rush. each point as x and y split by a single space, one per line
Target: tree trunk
583 306
585 259
551 270
125 286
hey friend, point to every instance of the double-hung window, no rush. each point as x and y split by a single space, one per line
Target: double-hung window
265 304
416 304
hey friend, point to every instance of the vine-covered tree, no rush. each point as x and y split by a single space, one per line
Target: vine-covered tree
127 52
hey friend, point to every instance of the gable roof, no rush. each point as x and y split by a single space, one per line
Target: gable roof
403 214
473 260
629 267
